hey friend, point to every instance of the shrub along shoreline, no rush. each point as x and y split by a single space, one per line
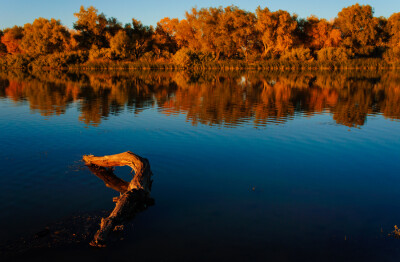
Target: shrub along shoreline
78 61
273 65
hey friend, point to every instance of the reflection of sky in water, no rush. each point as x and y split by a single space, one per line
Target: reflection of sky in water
317 178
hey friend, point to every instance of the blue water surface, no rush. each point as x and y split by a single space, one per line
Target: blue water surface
304 185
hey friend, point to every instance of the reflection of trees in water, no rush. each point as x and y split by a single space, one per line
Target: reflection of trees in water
209 98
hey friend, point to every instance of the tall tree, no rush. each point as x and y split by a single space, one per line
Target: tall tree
382 35
165 35
320 33
140 37
45 36
73 43
200 29
12 39
120 44
244 33
277 30
113 27
221 31
359 29
187 32
3 48
91 27
393 29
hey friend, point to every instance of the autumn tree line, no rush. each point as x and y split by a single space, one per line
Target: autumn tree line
206 36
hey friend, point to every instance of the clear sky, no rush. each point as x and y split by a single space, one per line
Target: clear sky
19 12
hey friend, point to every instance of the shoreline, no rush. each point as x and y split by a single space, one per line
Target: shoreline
273 65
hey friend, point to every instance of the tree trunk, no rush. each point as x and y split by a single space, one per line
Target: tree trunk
135 195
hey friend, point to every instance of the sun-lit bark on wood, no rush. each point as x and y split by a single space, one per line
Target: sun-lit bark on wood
135 195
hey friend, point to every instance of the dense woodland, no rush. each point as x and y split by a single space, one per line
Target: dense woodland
206 37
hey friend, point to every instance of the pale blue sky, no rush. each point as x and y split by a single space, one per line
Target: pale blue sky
19 12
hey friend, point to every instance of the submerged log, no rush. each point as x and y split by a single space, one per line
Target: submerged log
109 179
135 194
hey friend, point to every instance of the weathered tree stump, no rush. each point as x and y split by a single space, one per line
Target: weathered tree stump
135 194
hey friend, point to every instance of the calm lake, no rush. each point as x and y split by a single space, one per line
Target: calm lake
248 166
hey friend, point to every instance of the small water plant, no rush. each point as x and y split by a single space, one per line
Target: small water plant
396 232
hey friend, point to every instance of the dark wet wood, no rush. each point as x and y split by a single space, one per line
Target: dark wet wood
135 194
110 180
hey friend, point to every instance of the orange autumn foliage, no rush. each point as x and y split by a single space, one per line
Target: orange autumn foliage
12 39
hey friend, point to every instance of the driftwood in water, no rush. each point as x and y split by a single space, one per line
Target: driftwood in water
135 194
110 180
